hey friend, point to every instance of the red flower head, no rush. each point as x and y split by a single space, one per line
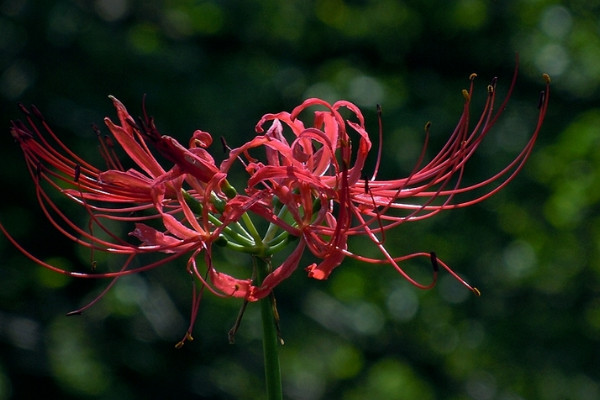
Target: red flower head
142 195
305 180
317 178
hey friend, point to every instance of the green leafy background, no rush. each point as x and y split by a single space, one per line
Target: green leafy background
364 333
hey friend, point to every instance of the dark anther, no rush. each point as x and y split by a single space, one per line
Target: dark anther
542 99
24 109
19 125
345 166
14 132
148 119
37 112
140 125
77 172
226 148
109 141
96 130
133 124
38 171
434 262
237 323
147 127
19 131
364 177
494 81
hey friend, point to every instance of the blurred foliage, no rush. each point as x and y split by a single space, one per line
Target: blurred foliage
219 65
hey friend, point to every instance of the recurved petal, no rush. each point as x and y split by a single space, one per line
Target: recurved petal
151 237
229 285
324 268
134 150
179 230
200 139
131 179
278 275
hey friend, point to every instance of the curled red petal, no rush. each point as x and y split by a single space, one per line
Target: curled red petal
152 237
229 285
323 269
134 150
278 275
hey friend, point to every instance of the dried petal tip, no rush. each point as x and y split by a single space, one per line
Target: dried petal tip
546 78
542 99
434 261
77 172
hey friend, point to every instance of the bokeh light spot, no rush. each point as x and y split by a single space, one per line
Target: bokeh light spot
556 21
111 10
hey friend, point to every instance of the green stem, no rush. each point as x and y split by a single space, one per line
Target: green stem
270 336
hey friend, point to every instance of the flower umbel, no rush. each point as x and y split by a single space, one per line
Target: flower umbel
324 193
305 182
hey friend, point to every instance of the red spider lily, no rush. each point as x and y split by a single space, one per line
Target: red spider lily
321 190
141 195
149 189
310 187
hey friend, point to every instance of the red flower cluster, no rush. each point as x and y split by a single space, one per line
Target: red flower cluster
304 179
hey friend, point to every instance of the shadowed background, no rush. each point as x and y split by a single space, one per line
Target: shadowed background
365 333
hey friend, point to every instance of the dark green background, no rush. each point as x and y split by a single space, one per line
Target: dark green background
365 333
